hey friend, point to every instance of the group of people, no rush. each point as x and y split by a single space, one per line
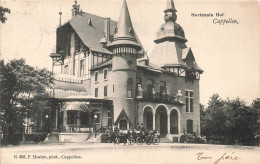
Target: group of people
117 135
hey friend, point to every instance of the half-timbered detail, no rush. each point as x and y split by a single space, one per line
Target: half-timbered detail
104 78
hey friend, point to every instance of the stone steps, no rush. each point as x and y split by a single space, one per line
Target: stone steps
165 140
93 139
52 137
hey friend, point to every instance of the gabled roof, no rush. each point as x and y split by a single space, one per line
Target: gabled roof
91 33
189 59
121 116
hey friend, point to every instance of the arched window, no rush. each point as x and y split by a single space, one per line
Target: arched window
129 88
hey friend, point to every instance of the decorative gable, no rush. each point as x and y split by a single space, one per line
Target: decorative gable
122 116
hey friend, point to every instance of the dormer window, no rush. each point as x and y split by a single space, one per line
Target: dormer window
90 22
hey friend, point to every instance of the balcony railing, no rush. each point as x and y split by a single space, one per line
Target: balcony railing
71 128
30 129
160 98
71 78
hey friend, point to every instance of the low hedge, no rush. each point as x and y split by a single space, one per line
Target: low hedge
38 137
191 139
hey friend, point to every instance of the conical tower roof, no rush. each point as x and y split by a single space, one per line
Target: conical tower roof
170 6
125 33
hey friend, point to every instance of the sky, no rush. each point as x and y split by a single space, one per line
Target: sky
229 54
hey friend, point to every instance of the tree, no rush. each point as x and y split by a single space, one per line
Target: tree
241 123
214 118
21 86
202 119
256 106
230 122
3 10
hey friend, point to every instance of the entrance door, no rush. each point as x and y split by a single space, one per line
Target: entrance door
161 119
148 118
163 123
149 121
123 125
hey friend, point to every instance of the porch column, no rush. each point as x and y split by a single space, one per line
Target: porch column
78 117
64 117
56 119
168 131
128 126
179 124
153 121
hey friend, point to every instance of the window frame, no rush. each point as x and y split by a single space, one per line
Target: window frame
105 70
82 62
189 105
96 92
129 87
106 86
96 74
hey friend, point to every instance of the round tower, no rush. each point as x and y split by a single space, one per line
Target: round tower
124 49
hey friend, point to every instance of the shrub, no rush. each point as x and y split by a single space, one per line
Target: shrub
183 138
38 137
191 138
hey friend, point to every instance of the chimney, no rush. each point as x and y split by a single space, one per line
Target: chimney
75 9
107 28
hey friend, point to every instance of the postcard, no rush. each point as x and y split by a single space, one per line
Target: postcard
127 81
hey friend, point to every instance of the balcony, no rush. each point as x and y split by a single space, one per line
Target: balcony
161 98
71 78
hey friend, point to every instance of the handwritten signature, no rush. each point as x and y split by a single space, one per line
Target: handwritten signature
225 156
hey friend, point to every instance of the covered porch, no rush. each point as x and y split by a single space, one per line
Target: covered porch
77 118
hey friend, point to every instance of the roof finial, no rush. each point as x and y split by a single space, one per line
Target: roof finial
75 9
170 6
60 14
